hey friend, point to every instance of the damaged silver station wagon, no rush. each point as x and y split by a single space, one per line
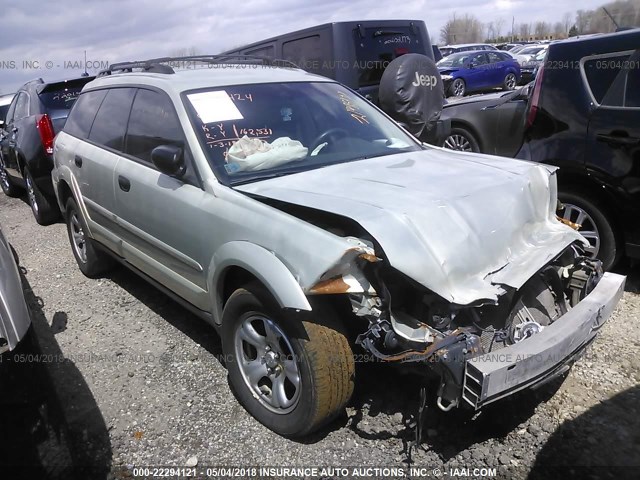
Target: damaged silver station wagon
306 225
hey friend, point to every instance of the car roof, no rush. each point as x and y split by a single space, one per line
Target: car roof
461 45
208 76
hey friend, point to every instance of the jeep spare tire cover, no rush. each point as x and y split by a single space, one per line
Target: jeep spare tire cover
411 92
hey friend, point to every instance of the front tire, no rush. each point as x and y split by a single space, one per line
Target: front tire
510 81
44 209
462 140
293 376
458 88
595 226
91 261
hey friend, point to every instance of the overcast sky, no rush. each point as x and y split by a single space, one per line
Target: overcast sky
48 39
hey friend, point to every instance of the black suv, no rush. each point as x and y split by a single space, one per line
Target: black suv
38 111
584 117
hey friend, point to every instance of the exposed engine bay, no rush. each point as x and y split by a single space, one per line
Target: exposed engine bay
411 325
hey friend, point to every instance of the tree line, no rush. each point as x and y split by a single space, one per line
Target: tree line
469 29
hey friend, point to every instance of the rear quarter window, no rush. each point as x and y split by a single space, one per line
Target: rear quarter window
601 71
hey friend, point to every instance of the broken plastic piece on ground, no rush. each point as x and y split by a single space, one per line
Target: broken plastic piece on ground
249 154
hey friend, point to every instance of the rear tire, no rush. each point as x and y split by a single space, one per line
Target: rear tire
7 185
44 209
91 261
596 227
312 360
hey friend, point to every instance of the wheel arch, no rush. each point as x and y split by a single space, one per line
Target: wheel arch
237 262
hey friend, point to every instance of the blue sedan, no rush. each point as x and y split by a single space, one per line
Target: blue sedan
472 71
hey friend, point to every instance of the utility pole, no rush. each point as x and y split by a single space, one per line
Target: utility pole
513 22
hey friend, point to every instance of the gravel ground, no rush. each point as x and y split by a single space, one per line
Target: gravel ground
142 384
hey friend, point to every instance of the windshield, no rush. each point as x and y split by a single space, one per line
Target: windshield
540 55
455 59
251 132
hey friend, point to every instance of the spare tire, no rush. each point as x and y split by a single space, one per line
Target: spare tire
411 93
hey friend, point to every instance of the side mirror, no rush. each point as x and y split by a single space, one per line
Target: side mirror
473 65
169 159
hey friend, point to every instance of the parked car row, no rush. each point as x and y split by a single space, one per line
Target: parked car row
304 224
36 114
581 115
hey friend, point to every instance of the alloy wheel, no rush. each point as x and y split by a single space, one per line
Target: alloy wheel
458 142
33 201
510 81
267 363
4 176
587 228
78 236
458 87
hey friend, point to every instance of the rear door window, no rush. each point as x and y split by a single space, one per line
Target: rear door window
379 46
83 113
110 124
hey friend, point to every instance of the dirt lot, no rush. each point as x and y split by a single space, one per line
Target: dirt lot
117 375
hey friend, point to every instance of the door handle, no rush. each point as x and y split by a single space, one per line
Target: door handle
78 161
618 138
124 183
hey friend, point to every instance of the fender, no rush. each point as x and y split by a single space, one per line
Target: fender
265 266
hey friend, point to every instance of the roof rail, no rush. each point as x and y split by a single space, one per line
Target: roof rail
164 64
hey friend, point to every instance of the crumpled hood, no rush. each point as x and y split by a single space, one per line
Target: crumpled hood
460 224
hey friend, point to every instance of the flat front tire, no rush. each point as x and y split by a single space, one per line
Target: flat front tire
292 375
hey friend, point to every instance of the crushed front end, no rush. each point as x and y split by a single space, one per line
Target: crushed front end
489 349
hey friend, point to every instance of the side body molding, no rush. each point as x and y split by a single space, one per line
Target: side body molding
265 266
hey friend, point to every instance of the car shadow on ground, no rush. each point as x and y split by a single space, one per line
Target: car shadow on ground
603 442
381 390
162 305
51 424
632 271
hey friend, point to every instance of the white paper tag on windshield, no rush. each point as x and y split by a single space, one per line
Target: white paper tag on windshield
214 106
